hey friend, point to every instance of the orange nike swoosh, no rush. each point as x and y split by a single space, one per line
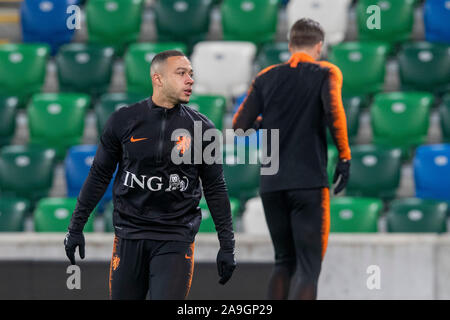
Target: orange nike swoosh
136 140
187 257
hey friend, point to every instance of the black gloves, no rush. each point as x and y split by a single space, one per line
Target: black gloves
342 171
74 239
225 264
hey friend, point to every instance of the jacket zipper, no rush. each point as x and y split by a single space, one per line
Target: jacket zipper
161 136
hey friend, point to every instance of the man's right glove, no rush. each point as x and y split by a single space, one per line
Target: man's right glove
73 240
342 171
225 264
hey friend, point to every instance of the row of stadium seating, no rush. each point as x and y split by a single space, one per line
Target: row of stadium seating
117 22
87 69
348 214
27 172
57 120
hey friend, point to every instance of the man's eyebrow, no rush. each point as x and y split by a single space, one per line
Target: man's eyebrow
181 68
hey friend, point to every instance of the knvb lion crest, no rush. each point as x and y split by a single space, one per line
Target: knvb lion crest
115 262
183 143
175 183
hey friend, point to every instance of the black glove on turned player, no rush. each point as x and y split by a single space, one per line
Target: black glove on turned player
342 172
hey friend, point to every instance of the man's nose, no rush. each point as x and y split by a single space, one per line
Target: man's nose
190 80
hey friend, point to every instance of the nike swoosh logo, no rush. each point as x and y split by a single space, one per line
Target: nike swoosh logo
136 140
187 257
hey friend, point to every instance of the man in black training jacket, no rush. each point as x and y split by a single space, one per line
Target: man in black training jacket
156 213
300 98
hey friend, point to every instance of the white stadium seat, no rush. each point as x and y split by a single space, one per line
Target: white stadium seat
253 218
223 67
335 25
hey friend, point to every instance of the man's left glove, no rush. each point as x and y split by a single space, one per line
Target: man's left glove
73 240
225 264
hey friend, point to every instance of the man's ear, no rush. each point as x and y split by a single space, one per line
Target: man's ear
156 79
319 48
291 50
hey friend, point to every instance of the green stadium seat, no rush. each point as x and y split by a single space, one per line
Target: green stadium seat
397 19
137 64
212 106
273 53
110 102
53 215
241 173
249 20
12 214
22 70
8 112
56 120
182 21
417 215
401 119
84 68
26 172
444 112
207 224
333 157
114 23
349 214
108 217
425 66
362 65
352 106
375 172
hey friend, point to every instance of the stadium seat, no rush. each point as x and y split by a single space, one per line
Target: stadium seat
401 119
333 157
232 72
8 112
417 215
375 172
22 70
110 102
432 172
182 21
26 172
53 215
436 17
56 120
114 23
352 106
77 166
211 106
362 65
84 68
397 19
332 15
241 170
249 20
273 53
444 112
108 217
425 66
207 224
12 214
348 214
46 21
137 64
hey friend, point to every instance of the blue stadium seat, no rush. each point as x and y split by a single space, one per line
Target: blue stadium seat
432 172
77 165
46 21
437 17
